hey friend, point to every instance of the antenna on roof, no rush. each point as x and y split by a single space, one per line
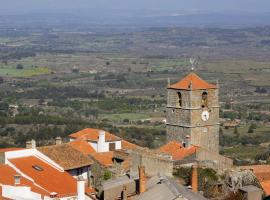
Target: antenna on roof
194 63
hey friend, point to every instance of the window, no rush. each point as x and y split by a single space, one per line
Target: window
38 168
79 171
179 99
204 99
112 146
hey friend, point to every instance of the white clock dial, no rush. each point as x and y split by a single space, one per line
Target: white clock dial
205 115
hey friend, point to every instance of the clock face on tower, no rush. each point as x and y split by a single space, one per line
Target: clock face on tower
205 115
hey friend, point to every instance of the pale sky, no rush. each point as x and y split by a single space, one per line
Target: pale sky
68 5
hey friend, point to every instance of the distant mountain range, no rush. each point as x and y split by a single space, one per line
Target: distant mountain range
153 18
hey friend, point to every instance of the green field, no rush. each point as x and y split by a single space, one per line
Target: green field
244 152
122 116
24 72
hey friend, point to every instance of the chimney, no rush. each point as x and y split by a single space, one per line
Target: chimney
187 141
190 85
124 193
58 140
142 181
53 195
194 178
17 179
80 188
31 144
169 82
101 142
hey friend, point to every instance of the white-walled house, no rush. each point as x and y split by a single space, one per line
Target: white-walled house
72 160
29 174
100 140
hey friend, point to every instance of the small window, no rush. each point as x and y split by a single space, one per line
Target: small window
79 171
38 168
112 146
204 99
179 99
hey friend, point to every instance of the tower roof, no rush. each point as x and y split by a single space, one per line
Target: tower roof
192 82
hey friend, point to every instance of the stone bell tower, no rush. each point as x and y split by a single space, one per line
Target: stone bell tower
193 110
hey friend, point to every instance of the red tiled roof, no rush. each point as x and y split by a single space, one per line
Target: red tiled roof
66 156
266 186
93 134
105 159
49 178
10 149
82 146
194 80
262 173
128 145
7 178
177 150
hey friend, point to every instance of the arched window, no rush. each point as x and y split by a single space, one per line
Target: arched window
179 99
204 99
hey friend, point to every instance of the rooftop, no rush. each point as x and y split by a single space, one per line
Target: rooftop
7 178
82 146
46 176
192 82
262 173
106 158
93 135
66 156
119 181
164 188
177 150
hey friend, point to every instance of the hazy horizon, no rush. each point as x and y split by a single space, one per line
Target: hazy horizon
24 6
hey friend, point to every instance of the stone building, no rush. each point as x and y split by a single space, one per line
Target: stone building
193 111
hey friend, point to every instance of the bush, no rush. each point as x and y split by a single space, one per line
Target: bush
19 66
107 175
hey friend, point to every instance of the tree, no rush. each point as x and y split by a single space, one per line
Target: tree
19 66
1 80
236 131
251 128
107 175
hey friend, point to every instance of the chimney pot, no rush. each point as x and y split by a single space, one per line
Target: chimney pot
101 141
124 193
142 181
31 144
58 140
81 188
194 178
17 179
187 141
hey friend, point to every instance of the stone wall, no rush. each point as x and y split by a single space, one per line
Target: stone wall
186 120
206 137
115 192
213 160
154 163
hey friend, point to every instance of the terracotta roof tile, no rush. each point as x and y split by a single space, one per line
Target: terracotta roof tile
266 187
177 150
128 145
105 159
82 146
48 178
7 178
66 156
194 80
93 134
262 173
